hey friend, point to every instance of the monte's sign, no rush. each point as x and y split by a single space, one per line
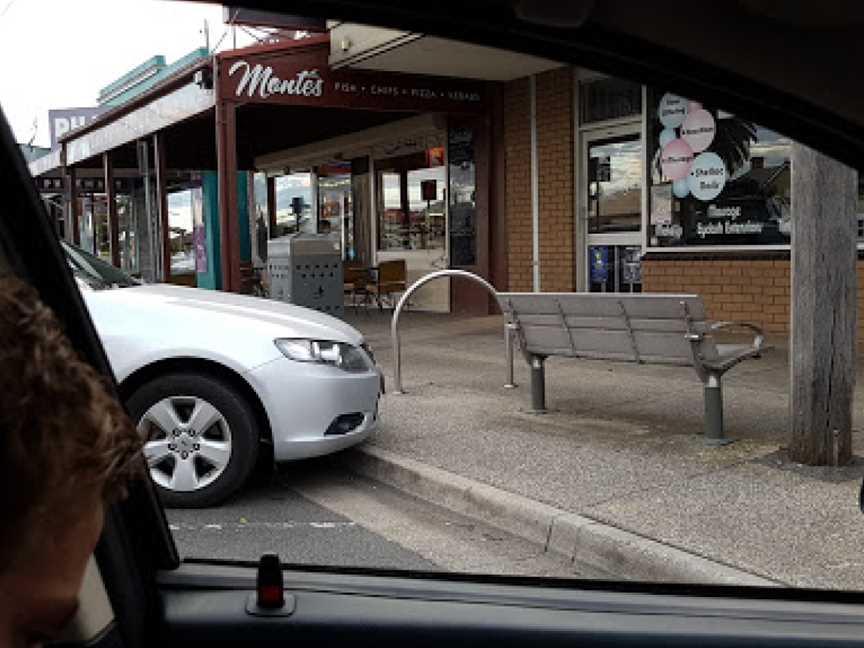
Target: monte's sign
301 77
260 81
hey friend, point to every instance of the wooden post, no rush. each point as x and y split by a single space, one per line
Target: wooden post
162 202
824 308
111 204
271 207
229 218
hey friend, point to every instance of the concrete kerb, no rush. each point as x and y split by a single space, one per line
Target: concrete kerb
605 548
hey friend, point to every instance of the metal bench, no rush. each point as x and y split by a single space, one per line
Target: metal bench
643 328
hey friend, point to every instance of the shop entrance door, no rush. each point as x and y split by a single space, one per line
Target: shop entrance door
412 224
612 185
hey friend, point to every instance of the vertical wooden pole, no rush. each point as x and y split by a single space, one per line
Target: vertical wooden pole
229 218
162 202
824 308
111 204
271 207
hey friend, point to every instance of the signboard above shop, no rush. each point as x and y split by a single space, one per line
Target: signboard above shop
63 120
301 76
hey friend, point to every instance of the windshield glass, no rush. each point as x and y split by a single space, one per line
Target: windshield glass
94 272
605 383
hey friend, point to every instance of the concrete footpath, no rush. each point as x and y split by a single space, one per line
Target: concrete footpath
616 476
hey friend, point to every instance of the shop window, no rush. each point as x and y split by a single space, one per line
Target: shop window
607 99
180 237
335 207
411 204
126 227
463 192
716 178
294 204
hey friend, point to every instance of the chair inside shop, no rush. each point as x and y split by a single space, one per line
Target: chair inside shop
392 279
356 276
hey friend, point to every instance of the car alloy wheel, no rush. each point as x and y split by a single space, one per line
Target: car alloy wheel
188 442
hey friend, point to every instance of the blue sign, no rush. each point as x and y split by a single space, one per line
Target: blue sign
598 257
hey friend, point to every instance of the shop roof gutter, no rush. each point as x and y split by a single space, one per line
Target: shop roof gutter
281 46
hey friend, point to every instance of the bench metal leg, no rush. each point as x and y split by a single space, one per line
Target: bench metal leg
714 434
538 385
509 334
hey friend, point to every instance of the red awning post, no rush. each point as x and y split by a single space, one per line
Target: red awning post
229 217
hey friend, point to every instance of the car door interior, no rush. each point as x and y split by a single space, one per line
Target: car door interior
155 598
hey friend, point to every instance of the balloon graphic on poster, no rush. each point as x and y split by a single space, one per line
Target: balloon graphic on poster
698 130
675 159
666 136
672 110
680 188
693 106
707 176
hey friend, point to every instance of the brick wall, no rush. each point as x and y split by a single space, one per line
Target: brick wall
517 161
555 169
752 291
555 165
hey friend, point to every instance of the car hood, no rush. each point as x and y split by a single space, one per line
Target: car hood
287 320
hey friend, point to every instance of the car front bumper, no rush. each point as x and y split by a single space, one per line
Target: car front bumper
302 400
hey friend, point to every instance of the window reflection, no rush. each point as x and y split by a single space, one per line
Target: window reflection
615 185
180 233
294 204
412 210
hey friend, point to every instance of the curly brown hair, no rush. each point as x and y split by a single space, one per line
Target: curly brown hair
61 431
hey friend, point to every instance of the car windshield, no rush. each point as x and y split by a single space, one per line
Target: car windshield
416 303
94 272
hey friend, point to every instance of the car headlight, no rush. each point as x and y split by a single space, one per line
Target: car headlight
338 354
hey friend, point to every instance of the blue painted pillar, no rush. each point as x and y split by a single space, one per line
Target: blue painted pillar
212 278
243 213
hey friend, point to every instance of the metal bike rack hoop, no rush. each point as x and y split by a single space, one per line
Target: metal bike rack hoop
394 325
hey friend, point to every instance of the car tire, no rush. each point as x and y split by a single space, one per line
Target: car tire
195 468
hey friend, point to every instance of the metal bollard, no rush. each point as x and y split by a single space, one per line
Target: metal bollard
714 435
509 330
538 385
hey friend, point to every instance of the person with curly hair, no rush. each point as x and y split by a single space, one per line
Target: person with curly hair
67 450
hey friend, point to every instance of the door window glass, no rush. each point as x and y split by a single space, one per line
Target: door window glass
615 184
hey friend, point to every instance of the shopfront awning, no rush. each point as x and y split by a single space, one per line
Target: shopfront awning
389 50
186 95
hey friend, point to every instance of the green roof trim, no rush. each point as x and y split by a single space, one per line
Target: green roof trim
163 71
157 62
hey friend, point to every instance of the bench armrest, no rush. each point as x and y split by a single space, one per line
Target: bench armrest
758 335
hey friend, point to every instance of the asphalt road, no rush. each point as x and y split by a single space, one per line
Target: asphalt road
317 513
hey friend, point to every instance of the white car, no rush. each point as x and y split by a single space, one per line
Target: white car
214 379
